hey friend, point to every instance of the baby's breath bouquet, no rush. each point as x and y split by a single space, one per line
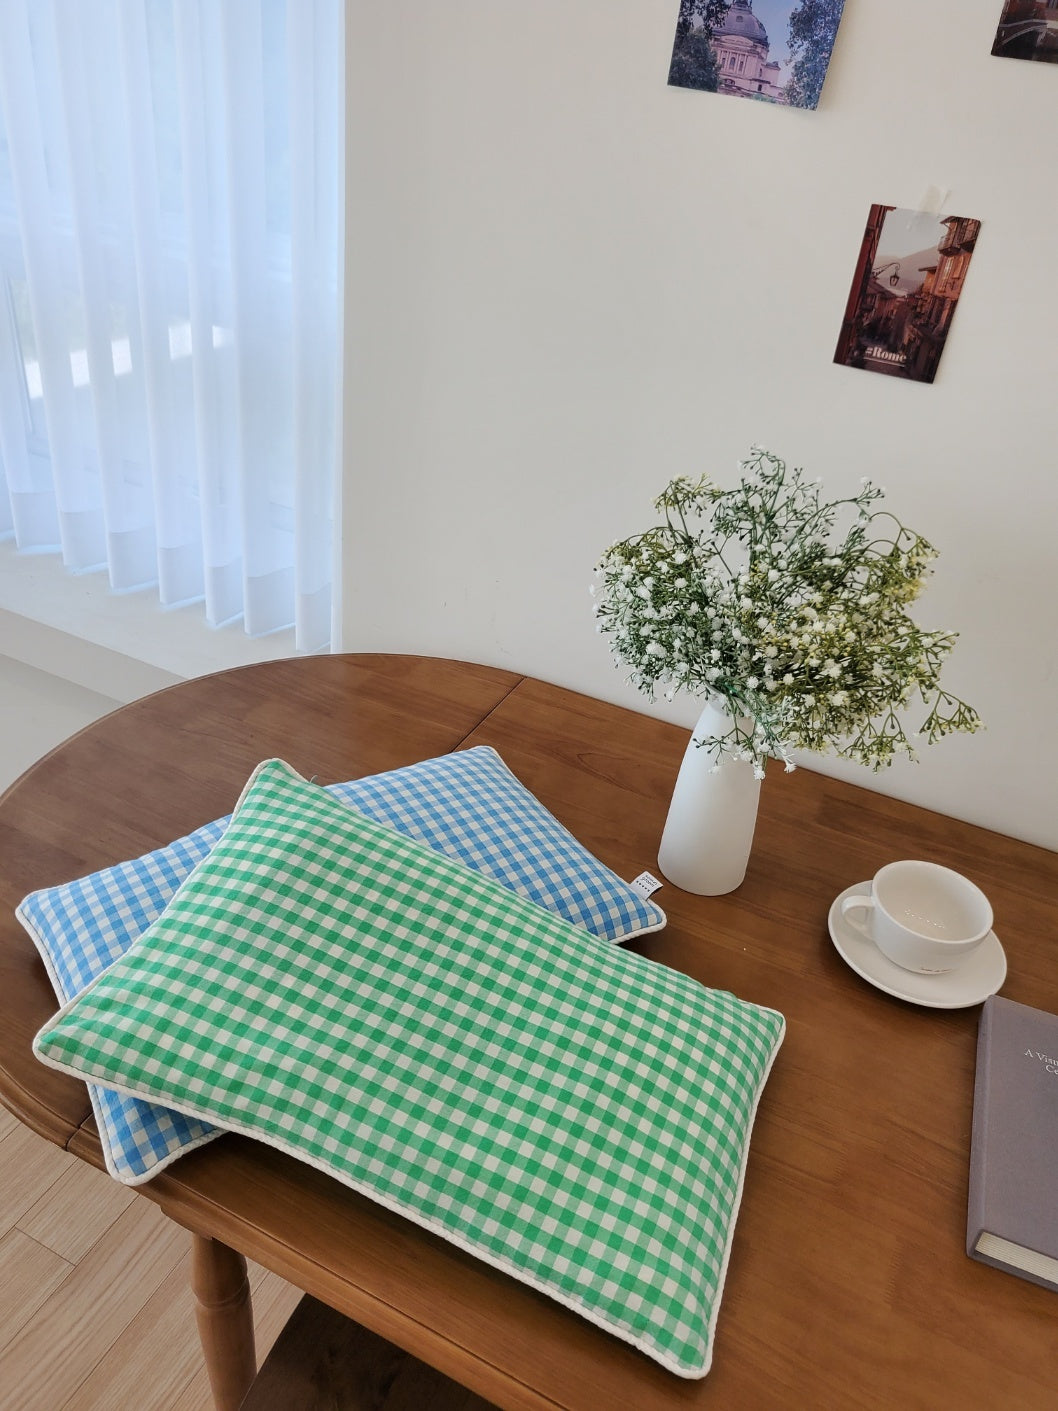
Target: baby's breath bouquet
792 609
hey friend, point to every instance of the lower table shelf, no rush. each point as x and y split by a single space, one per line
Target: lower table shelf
324 1362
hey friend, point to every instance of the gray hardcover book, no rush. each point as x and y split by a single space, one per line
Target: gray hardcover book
1012 1219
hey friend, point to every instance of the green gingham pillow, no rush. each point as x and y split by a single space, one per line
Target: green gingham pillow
566 1111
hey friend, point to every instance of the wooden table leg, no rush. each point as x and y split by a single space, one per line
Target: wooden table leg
225 1320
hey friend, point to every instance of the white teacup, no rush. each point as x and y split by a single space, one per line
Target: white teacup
922 916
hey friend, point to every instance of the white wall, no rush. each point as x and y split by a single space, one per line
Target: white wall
567 282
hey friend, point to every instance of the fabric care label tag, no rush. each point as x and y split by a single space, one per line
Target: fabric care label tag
646 884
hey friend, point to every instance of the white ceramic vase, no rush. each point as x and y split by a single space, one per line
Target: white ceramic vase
708 834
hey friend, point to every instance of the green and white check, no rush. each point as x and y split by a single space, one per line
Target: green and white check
573 1114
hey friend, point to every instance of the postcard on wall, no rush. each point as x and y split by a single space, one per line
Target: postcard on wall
909 276
773 51
1028 29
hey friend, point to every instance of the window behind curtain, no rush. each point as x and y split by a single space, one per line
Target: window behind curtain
170 297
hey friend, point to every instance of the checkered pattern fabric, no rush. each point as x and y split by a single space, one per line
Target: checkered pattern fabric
470 807
467 805
569 1112
81 928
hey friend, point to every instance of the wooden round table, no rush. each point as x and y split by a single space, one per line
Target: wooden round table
848 1284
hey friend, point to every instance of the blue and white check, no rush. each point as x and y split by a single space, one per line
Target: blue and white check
80 929
468 806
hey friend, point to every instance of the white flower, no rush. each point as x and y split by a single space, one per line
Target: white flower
669 642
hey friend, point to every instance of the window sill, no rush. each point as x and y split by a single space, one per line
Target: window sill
120 645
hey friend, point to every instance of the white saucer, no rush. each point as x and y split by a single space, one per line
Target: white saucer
977 978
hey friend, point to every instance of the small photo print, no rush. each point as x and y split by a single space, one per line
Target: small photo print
773 51
1028 29
909 276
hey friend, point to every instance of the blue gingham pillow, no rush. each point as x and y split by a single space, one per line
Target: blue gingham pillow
468 806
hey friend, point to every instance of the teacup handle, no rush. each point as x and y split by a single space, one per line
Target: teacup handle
858 901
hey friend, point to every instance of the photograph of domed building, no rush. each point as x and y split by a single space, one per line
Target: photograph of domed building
773 51
741 46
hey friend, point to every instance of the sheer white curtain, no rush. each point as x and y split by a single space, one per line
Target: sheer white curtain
170 310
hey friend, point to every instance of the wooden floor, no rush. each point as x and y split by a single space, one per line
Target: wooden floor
95 1309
